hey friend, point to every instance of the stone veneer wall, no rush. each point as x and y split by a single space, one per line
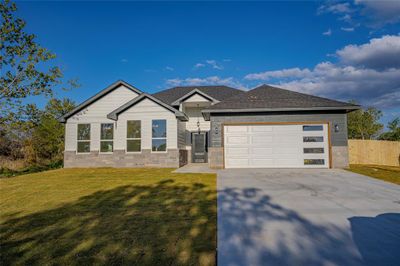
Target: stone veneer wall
216 157
119 158
340 156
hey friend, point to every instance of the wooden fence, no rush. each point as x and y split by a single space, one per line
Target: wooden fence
378 152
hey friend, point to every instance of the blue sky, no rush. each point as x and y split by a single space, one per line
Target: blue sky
337 49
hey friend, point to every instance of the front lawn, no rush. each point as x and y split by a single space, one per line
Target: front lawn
108 216
386 173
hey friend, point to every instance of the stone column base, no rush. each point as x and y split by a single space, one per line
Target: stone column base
119 159
340 157
216 157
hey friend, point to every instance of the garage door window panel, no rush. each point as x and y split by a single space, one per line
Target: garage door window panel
313 150
313 128
313 139
314 161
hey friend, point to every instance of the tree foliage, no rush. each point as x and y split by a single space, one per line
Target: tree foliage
48 135
364 123
23 73
26 70
394 131
39 138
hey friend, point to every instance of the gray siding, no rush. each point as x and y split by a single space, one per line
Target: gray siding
337 138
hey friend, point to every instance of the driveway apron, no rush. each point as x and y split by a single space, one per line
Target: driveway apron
306 217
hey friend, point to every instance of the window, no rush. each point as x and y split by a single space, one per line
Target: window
313 150
159 135
106 137
313 128
133 136
314 161
313 139
83 139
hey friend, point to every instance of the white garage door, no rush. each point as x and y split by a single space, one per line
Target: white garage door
276 146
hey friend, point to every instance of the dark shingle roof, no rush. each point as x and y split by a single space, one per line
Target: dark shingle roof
268 97
217 92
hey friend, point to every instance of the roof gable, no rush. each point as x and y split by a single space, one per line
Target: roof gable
192 94
114 114
98 96
216 92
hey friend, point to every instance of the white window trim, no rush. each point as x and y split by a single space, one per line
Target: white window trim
126 142
81 140
166 138
106 152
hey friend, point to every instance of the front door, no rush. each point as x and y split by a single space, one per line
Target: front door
199 147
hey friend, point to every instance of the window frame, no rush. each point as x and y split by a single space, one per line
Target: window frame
127 138
153 138
313 128
308 162
107 140
317 138
309 148
83 140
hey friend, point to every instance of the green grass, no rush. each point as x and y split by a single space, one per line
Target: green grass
108 216
386 173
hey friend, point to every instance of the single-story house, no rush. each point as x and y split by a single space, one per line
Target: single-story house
265 127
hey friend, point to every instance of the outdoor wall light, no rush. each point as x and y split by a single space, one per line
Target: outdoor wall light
216 129
336 127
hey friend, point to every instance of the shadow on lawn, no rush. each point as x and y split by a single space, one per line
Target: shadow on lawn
254 230
163 224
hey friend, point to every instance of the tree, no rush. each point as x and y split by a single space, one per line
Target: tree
394 131
26 70
21 63
363 124
48 134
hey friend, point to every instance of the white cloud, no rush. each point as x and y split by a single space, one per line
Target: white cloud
211 80
391 99
199 65
168 68
346 82
348 29
369 73
382 12
214 64
284 73
346 18
378 53
375 13
336 8
327 33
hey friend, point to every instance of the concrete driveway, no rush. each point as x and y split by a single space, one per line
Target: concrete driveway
306 217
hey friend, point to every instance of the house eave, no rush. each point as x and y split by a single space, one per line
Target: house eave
207 112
